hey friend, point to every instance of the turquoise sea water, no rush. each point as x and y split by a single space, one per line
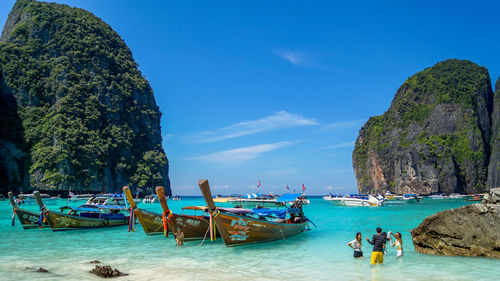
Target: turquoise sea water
320 254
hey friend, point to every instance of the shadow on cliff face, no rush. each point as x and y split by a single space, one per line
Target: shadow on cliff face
13 147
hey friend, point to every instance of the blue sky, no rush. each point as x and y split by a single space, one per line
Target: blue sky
278 90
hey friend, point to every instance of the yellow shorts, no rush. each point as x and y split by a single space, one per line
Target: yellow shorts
377 257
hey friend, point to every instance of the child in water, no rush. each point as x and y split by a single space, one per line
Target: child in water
399 244
356 245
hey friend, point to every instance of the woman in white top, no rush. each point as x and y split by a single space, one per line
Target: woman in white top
399 244
356 245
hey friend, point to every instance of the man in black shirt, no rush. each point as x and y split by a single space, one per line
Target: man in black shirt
378 242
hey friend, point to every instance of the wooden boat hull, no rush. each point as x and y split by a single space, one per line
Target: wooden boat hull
194 227
151 222
60 221
29 219
240 230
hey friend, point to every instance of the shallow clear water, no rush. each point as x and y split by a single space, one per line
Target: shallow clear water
320 254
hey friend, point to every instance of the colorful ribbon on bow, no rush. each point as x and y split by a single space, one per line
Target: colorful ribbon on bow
13 217
213 229
165 219
131 222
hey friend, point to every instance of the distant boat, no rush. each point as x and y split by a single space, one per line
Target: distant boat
363 200
176 198
457 196
411 198
149 199
474 197
390 198
438 196
253 200
111 199
81 197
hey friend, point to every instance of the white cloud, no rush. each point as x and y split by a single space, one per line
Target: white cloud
280 120
340 145
223 186
240 155
337 188
344 124
295 58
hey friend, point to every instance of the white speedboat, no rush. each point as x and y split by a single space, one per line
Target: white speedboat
411 198
438 196
391 198
457 196
150 199
364 200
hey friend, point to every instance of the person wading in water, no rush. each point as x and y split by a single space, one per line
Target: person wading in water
378 242
356 245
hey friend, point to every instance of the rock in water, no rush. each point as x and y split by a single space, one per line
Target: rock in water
43 270
435 137
106 272
494 168
472 230
89 116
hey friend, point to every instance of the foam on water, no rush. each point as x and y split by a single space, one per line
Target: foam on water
320 254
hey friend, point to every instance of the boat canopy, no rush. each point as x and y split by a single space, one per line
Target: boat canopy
288 197
229 210
92 208
263 212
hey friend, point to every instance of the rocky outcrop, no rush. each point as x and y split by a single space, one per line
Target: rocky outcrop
106 272
89 117
472 230
435 137
494 168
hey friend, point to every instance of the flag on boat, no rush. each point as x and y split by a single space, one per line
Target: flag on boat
303 187
71 194
287 188
258 183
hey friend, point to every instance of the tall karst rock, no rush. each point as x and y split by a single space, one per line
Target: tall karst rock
12 146
494 168
435 137
89 116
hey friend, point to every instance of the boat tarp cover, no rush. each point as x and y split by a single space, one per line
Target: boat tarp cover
262 212
288 197
236 210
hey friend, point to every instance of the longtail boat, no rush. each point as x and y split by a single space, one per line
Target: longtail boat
151 222
193 227
85 216
242 229
28 219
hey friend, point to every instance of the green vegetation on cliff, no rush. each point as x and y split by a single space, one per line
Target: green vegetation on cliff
439 117
89 116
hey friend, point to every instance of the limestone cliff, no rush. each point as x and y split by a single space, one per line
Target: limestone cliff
435 137
90 119
494 168
12 145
